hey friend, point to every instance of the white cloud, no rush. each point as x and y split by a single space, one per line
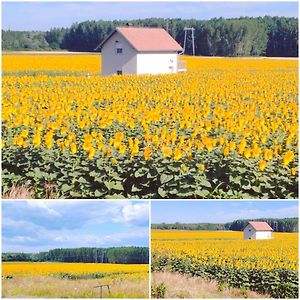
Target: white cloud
72 239
68 238
141 233
43 205
134 213
66 224
19 224
24 248
22 239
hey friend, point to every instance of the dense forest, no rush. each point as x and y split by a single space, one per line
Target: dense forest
118 255
279 225
261 36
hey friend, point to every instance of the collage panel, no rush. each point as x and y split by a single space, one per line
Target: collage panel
150 108
224 249
75 249
150 150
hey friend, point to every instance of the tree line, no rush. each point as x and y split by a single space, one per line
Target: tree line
278 225
245 36
190 226
114 255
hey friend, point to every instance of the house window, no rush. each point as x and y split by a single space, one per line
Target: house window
119 72
118 47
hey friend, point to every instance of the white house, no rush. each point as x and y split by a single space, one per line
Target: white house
257 231
138 50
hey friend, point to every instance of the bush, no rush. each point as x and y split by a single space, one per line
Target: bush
158 291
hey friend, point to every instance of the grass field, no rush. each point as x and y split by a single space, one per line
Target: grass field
264 266
74 280
227 128
183 286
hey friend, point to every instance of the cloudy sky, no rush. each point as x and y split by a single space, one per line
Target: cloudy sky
45 15
33 226
220 211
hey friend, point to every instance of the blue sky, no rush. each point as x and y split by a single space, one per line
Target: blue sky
33 226
44 15
220 211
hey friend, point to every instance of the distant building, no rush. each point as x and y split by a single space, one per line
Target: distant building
138 50
257 231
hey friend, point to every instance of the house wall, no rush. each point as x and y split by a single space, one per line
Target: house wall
111 61
157 63
261 235
252 234
249 233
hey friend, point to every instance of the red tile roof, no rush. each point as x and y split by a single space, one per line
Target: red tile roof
147 39
260 226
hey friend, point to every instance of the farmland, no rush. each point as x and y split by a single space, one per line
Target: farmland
228 128
74 280
263 266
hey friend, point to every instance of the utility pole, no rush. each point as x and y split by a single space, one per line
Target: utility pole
186 31
276 226
167 26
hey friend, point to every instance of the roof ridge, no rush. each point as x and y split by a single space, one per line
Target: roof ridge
140 27
144 39
258 222
260 225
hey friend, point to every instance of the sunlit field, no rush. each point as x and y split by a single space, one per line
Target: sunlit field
227 128
264 266
42 268
52 63
74 280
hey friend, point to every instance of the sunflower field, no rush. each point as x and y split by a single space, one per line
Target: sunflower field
74 270
74 280
227 128
264 266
